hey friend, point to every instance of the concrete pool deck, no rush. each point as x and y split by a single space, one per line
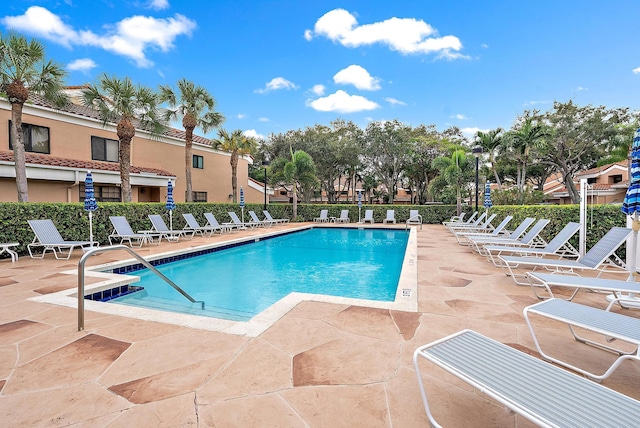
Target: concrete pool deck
321 364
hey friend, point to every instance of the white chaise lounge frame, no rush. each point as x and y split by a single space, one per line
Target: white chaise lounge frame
611 325
545 394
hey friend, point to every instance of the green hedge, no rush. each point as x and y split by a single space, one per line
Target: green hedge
73 222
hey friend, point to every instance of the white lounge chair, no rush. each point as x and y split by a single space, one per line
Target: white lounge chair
6 247
499 230
267 215
258 222
368 217
414 218
391 217
194 227
460 219
612 326
239 224
620 289
484 226
344 217
122 231
476 242
212 221
470 223
323 217
545 394
159 226
596 259
559 246
48 238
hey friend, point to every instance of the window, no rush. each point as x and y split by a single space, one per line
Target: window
103 193
617 178
198 162
36 138
199 196
103 149
592 180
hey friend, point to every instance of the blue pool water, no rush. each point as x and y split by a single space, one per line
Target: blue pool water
240 282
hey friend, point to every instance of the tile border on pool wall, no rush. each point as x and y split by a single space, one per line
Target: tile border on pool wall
406 295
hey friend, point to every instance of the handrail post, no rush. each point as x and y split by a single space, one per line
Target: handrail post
148 265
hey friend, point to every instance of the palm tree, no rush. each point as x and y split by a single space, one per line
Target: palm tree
238 144
121 102
491 142
453 171
195 106
24 70
299 172
526 136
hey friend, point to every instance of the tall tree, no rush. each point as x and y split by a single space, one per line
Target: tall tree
453 169
238 145
196 107
491 143
387 151
121 102
528 133
579 137
299 172
24 70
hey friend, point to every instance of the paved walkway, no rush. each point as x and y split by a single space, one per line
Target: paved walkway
320 365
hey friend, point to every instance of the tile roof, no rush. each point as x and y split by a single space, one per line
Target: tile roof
38 159
84 111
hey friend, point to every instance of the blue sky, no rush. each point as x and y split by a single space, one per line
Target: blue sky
274 66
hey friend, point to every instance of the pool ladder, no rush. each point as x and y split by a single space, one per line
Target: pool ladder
146 264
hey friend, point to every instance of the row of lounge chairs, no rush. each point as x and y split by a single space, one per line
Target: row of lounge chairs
48 239
541 392
414 217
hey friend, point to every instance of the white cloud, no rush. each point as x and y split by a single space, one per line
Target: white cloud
358 77
581 88
130 37
263 119
395 102
241 116
318 90
82 64
159 4
342 102
405 35
484 45
533 103
636 70
470 133
459 116
251 133
275 84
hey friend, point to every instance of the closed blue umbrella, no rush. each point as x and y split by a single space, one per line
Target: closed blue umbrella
487 195
631 203
90 204
170 205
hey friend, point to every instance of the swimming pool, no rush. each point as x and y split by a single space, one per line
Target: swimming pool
239 282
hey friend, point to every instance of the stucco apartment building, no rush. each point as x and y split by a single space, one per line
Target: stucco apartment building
607 184
62 145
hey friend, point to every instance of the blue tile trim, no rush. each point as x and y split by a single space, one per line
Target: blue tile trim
113 293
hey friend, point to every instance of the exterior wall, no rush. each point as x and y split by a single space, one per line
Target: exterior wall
70 138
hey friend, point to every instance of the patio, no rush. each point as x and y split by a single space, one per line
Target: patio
321 364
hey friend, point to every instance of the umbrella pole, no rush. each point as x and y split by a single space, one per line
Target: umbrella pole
242 209
91 227
170 219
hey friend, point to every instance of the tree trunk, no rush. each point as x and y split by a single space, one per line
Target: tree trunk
17 138
126 132
234 175
188 163
295 201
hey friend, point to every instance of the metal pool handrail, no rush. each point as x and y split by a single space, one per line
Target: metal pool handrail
148 265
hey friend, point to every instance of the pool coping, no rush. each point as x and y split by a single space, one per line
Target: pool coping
406 298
